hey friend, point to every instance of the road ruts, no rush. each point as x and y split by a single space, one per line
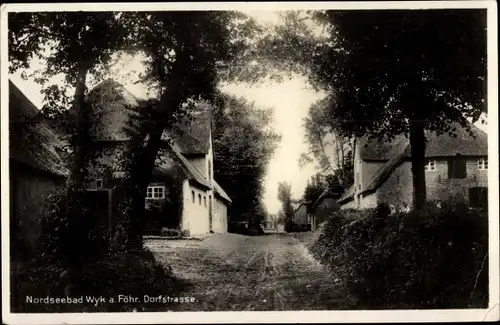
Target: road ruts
263 273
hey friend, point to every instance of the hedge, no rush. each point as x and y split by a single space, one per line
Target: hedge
433 258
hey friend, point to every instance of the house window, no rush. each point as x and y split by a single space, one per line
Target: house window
98 183
209 170
193 196
478 197
457 167
199 199
482 164
155 192
430 165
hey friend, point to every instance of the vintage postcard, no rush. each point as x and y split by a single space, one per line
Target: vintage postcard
249 162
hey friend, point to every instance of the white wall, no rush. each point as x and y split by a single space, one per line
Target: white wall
368 201
219 216
195 215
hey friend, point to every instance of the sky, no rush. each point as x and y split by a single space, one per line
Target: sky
290 101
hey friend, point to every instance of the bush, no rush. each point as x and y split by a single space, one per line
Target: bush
294 227
131 274
434 258
71 230
177 233
80 259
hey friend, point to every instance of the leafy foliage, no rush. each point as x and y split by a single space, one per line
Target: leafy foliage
331 151
243 145
109 275
389 72
433 258
285 197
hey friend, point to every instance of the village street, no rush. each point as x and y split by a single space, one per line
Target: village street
230 272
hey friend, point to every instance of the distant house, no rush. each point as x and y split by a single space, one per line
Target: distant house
455 168
183 193
324 206
302 214
35 170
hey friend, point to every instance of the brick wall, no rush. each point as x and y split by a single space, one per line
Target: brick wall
398 188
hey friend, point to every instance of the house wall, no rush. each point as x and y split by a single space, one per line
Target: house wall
28 189
349 205
300 216
368 201
195 215
363 170
219 216
398 189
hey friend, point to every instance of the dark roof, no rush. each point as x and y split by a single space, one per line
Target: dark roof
394 153
378 149
32 141
220 192
302 203
194 137
326 194
442 145
192 172
347 196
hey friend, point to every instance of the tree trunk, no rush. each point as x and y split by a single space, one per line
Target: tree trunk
143 162
80 138
417 144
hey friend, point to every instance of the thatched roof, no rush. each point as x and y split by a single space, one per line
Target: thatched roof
31 140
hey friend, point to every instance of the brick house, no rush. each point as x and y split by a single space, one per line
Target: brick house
456 168
35 169
183 191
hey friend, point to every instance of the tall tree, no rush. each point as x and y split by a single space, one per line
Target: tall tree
314 188
285 197
391 72
243 159
327 146
186 52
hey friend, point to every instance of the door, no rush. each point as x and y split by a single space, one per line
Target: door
210 218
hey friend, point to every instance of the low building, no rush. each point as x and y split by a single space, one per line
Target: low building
324 206
456 168
35 167
302 215
183 193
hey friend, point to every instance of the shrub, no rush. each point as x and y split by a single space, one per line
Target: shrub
79 259
434 258
124 273
70 229
294 227
177 233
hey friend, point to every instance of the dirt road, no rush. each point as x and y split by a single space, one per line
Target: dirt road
263 273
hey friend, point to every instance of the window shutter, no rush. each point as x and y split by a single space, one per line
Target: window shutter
457 167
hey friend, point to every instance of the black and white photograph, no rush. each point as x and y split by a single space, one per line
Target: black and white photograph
276 162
